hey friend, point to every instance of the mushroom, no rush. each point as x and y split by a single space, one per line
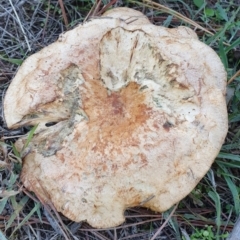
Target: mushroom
130 114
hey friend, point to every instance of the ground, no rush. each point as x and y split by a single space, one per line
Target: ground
210 210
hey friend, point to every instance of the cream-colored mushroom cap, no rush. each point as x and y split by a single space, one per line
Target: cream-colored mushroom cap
140 116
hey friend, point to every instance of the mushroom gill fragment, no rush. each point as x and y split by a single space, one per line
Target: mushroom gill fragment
139 113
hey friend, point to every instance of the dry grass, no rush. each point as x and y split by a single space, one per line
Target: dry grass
27 26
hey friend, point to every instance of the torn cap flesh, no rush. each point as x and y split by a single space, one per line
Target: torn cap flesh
140 116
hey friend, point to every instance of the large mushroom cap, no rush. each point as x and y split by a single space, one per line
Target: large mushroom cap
140 116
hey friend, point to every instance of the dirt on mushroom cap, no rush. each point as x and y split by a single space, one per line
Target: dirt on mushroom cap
140 114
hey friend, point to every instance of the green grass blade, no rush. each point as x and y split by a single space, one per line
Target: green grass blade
230 146
186 5
228 164
15 151
11 219
39 214
12 60
234 118
12 180
37 206
233 45
233 188
23 202
221 33
215 197
2 204
222 54
175 225
229 156
30 136
167 22
216 36
222 12
17 208
234 192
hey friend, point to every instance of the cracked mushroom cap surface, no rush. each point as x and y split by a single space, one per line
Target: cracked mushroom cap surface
139 116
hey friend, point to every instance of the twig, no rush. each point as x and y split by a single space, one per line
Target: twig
93 10
19 22
115 234
228 219
46 20
90 12
53 222
105 8
99 235
96 8
165 223
63 13
234 76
